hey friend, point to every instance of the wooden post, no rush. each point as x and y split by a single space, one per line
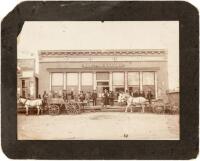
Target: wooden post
79 81
126 80
156 85
64 80
140 75
110 81
94 81
50 81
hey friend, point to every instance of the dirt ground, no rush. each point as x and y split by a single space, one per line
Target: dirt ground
99 126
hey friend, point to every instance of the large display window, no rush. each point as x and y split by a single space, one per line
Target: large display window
133 81
57 82
86 82
148 82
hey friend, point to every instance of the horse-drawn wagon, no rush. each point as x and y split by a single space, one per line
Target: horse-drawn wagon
143 105
53 106
56 106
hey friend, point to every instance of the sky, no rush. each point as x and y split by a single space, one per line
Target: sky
85 35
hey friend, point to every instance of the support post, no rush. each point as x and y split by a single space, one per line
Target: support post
110 81
94 81
141 81
64 81
156 85
50 81
126 80
79 81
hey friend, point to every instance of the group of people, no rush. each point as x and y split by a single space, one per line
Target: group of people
68 96
107 97
87 97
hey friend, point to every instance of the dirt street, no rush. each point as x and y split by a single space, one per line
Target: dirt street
99 126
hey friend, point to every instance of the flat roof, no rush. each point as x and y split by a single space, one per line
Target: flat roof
115 52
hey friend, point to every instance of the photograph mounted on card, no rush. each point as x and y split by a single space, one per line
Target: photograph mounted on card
100 80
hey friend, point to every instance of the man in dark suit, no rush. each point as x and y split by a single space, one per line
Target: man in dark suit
94 97
149 96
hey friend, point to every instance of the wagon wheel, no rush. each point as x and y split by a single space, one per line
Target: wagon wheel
66 108
159 109
76 109
54 110
69 108
175 109
73 108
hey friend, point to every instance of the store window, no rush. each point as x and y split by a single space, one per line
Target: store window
72 79
24 88
57 83
118 83
72 82
148 82
87 82
31 88
118 78
133 81
23 83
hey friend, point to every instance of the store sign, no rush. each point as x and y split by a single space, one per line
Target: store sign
110 65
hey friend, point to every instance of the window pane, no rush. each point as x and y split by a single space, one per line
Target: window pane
57 79
86 79
118 78
72 79
102 76
133 78
148 78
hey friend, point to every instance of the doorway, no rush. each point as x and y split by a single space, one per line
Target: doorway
101 86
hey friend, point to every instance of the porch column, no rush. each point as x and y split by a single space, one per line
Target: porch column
156 85
50 81
94 81
79 81
141 81
126 80
110 81
64 80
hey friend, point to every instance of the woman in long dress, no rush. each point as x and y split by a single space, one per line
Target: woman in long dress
105 98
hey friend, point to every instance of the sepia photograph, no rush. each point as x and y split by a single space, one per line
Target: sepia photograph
98 80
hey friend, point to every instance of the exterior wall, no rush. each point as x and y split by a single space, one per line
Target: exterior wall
44 78
26 72
159 67
28 93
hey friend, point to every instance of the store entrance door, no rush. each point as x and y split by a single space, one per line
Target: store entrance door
101 86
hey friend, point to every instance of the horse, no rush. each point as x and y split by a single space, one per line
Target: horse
31 103
132 101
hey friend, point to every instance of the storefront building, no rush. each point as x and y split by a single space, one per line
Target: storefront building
115 70
27 80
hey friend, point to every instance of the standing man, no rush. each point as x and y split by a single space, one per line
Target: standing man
111 98
142 94
72 94
149 96
105 98
45 97
94 97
